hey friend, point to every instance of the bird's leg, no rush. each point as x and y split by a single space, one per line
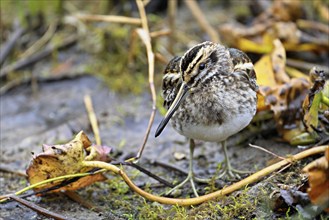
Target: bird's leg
190 175
229 170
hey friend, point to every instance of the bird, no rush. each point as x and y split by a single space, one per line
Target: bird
210 94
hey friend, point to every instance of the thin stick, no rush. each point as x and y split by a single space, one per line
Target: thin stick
23 62
168 166
183 202
82 201
267 151
8 46
109 18
145 171
52 180
160 33
282 169
37 208
41 42
199 16
305 66
317 26
145 37
92 118
172 8
229 189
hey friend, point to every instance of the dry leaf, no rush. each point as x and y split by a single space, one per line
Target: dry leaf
261 102
318 177
60 160
313 102
283 95
278 58
264 72
281 20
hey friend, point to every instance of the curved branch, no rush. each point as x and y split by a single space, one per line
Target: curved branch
194 201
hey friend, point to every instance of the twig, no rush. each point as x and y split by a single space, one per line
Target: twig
64 181
37 208
161 58
85 203
229 189
41 42
109 18
205 26
21 63
172 8
160 33
282 169
143 170
317 26
183 202
9 45
305 66
92 119
52 180
144 34
167 166
267 151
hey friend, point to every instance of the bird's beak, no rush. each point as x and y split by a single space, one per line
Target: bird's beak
183 91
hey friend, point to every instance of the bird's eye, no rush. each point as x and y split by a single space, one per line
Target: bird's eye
202 66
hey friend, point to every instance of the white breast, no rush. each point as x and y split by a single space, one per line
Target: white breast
216 133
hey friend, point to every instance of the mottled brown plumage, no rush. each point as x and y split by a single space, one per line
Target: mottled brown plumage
210 93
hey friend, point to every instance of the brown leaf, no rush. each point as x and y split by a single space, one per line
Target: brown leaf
60 160
318 177
312 102
98 152
278 58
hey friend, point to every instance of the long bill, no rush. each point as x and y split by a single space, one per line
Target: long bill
174 106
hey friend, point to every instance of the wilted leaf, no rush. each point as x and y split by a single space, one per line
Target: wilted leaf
251 46
282 20
301 138
100 153
60 160
313 102
264 72
283 95
261 102
318 177
278 58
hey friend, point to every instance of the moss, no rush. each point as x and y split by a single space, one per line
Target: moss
212 183
241 206
157 211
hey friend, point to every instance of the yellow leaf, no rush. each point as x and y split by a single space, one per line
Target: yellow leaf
251 46
264 72
294 73
261 103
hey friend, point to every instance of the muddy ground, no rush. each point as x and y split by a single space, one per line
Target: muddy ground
56 113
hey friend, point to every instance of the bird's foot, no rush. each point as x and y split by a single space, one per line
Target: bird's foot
190 178
232 172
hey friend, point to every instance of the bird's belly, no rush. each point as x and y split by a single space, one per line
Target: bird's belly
214 132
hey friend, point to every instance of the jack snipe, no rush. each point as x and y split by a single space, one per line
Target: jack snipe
210 94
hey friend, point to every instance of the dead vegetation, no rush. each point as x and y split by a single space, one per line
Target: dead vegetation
287 40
